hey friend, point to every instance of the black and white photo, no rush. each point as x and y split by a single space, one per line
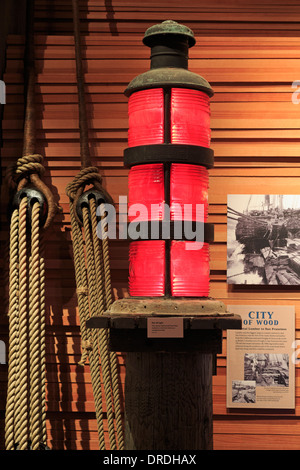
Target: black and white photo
263 239
243 391
267 370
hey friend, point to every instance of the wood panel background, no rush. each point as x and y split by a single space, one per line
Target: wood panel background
249 52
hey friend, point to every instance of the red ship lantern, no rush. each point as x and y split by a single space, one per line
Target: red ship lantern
169 327
169 156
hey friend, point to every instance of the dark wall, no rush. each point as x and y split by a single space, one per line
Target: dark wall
12 21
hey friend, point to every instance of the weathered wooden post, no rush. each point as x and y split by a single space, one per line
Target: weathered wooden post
169 327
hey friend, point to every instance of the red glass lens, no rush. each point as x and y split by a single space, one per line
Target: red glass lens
146 187
188 188
147 268
190 117
189 269
146 117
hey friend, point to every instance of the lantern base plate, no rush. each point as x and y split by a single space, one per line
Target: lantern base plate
168 306
203 321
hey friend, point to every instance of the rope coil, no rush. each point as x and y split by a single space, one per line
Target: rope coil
92 273
25 420
25 417
23 167
86 175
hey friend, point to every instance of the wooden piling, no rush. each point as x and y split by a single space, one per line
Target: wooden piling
168 401
168 384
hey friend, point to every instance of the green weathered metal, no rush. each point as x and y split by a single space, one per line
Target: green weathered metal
166 28
169 42
169 76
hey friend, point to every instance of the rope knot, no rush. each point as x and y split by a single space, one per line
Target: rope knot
30 164
82 291
25 166
86 344
75 189
84 177
28 170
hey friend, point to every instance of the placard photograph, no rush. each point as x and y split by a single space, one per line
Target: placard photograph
263 239
267 370
243 391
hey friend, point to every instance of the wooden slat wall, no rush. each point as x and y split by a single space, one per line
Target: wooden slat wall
249 52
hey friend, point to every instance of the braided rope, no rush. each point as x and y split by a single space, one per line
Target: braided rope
34 330
13 332
83 307
106 261
97 389
25 417
113 356
98 257
42 388
95 266
22 405
103 337
25 408
99 297
91 270
81 280
117 401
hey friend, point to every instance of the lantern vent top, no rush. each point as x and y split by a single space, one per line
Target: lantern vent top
166 29
169 42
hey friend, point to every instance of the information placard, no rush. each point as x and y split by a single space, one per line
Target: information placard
169 327
260 366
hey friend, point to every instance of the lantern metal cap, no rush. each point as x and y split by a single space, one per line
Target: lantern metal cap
168 27
169 77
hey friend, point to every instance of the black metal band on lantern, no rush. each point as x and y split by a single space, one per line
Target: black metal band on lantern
171 153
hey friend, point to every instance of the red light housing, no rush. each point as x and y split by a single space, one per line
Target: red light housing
146 117
146 186
169 155
190 117
147 268
188 188
189 271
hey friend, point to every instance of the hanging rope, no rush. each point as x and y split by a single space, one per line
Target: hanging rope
92 274
25 423
25 417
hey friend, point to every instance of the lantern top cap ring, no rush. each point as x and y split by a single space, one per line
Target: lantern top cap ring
166 28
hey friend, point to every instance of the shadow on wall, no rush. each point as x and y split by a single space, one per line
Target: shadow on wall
110 15
71 414
70 406
67 419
